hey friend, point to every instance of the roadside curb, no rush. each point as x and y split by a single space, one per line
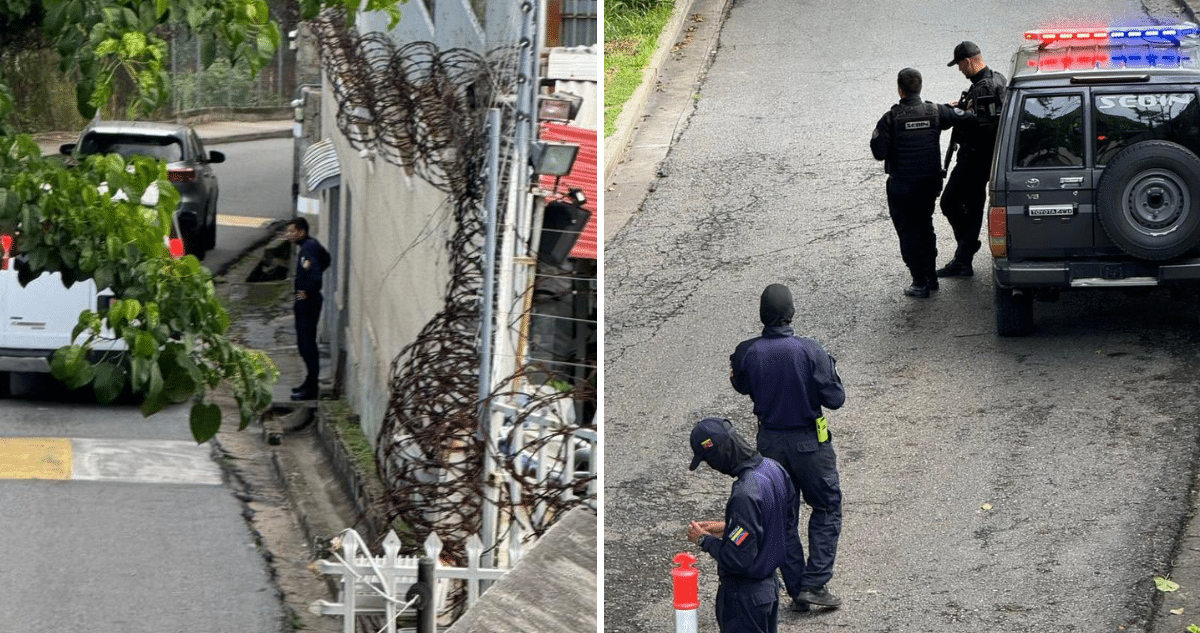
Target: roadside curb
616 145
660 109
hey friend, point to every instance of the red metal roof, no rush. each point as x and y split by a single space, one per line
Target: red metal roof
584 175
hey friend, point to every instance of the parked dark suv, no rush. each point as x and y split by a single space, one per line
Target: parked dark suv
188 168
1096 179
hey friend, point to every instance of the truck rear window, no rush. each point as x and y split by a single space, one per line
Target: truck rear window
1050 132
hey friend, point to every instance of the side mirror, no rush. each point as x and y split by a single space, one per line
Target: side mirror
66 149
216 157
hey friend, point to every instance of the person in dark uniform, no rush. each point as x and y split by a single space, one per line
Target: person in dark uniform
908 141
310 268
750 544
789 379
966 191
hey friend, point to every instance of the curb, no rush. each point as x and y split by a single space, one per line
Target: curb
661 109
616 145
354 483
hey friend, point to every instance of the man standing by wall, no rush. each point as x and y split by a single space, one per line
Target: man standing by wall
789 379
751 543
310 268
966 191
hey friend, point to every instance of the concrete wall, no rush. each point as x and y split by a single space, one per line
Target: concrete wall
552 589
391 262
392 228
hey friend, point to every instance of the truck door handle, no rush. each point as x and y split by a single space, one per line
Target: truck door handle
1073 181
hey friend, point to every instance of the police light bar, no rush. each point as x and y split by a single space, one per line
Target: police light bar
1111 33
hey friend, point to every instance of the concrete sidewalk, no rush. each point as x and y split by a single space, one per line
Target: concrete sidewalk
211 133
658 111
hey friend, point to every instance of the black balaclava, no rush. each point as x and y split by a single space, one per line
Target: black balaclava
720 446
775 306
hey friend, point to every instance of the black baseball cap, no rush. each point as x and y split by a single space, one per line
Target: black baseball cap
707 435
964 50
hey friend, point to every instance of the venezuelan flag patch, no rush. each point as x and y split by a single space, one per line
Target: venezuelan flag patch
738 535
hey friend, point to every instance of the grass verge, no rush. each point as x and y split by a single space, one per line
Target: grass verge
631 30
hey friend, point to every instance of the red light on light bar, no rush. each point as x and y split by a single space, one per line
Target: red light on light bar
1050 35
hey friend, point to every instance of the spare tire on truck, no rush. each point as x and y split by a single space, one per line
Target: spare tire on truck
1148 200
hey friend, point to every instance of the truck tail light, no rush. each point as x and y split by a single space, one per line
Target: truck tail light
998 231
182 174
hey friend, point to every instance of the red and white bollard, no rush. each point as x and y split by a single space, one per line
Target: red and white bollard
687 592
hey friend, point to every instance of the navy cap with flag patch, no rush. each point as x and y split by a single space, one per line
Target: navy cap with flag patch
708 434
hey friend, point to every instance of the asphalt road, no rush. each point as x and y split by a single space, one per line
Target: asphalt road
256 186
142 534
991 484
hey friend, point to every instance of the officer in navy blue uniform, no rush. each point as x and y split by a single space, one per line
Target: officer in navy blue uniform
310 268
790 378
965 196
908 141
760 521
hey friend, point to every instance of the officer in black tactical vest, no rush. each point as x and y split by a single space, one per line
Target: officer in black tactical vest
966 190
908 141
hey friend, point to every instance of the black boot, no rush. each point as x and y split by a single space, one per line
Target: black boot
956 269
917 290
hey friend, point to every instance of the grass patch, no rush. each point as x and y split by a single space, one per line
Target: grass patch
631 30
350 431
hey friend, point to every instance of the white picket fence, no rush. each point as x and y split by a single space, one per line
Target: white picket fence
378 585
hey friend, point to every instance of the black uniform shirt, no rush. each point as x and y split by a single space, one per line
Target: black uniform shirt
757 516
907 137
310 265
984 98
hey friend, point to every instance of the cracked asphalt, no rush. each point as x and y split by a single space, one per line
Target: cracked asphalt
991 484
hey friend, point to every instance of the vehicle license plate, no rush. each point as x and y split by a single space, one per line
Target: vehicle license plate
1051 210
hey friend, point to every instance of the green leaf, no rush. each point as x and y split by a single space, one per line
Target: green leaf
83 98
145 346
1192 628
133 43
109 382
206 421
66 361
156 397
132 308
108 47
1165 585
179 373
69 364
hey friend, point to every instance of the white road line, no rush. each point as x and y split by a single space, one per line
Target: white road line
243 221
144 461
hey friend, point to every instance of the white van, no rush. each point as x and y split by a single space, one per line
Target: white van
37 319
